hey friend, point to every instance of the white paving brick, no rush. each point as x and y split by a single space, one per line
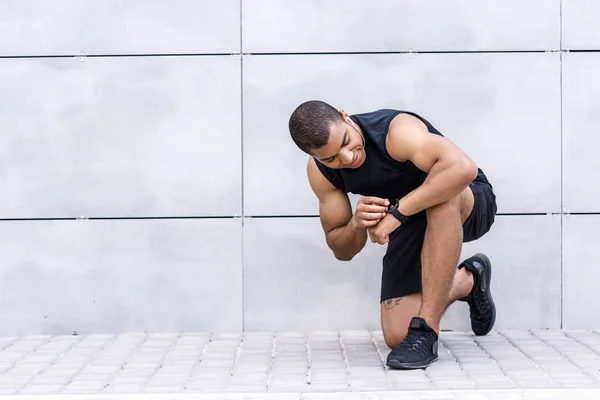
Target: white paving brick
136 372
15 380
124 388
84 386
42 389
310 366
4 390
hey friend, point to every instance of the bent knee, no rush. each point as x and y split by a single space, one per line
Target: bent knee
393 339
396 314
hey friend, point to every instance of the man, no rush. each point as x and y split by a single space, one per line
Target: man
423 197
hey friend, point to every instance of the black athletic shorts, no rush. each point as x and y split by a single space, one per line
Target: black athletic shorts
402 261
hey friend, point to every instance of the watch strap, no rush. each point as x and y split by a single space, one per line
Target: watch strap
393 209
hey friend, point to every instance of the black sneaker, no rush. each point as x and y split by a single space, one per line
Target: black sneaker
481 304
418 349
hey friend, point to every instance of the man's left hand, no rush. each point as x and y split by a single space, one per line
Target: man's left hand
380 232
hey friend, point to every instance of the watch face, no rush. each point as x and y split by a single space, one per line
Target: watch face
393 203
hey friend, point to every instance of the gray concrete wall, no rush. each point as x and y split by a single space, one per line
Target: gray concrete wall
138 192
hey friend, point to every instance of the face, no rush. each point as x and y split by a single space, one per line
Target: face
344 149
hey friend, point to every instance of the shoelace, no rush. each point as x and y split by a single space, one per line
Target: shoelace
481 302
414 342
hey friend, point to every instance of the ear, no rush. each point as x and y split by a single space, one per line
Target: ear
344 113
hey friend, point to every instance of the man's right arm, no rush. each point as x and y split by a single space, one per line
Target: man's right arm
345 233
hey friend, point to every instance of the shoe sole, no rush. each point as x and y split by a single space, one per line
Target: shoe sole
416 365
488 293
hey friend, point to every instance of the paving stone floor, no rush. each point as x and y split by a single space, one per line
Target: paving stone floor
289 365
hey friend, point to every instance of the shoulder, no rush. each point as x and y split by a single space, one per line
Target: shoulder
319 183
406 133
406 122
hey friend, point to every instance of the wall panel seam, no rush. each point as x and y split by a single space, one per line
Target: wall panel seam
325 53
319 53
116 218
248 216
242 166
122 55
562 297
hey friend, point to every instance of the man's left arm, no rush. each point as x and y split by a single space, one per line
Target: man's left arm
449 169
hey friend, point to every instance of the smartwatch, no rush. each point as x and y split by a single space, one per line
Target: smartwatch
393 209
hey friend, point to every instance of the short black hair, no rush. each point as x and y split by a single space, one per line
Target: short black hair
309 124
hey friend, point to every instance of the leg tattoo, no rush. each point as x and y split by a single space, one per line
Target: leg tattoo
390 303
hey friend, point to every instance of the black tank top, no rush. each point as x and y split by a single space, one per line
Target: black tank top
380 175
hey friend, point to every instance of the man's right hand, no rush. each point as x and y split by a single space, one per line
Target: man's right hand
345 232
370 210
